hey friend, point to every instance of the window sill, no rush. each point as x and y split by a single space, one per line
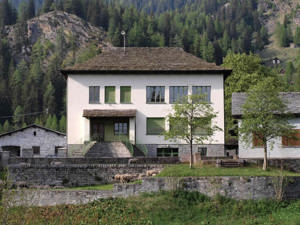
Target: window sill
156 103
154 134
94 103
110 103
126 103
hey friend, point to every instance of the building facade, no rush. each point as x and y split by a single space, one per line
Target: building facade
280 147
128 97
33 141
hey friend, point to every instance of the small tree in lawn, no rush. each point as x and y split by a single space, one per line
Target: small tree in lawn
265 116
192 121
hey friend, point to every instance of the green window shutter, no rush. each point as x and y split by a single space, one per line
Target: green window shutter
125 96
110 94
177 124
155 126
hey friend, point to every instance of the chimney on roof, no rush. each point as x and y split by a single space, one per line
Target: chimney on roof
124 38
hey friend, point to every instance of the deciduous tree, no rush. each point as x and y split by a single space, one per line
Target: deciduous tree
265 116
191 114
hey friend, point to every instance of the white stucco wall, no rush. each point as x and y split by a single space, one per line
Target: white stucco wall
78 100
277 150
47 140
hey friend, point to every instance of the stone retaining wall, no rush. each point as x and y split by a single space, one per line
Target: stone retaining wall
232 187
72 161
57 174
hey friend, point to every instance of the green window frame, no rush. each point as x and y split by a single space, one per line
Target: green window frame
125 94
155 126
167 152
110 94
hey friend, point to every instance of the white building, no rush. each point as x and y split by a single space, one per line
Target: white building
33 141
117 96
281 147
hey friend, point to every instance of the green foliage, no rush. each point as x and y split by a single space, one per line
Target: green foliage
247 71
183 170
163 208
6 126
297 36
91 51
18 118
62 124
283 34
265 115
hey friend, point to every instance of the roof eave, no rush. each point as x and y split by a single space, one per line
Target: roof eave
226 72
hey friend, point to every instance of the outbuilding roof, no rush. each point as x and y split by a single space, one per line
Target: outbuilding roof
145 59
292 100
32 126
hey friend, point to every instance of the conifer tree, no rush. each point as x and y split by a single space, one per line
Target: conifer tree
18 118
62 124
48 123
54 125
6 127
31 9
289 74
297 36
49 99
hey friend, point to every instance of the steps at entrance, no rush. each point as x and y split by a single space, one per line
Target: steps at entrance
230 163
108 149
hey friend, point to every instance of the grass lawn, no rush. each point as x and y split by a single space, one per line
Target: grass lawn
164 208
96 187
183 170
93 187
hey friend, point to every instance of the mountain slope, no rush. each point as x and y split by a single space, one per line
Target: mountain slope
46 28
273 13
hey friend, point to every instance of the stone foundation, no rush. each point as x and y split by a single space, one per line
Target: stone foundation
213 150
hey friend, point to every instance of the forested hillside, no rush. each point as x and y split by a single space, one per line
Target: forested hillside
31 88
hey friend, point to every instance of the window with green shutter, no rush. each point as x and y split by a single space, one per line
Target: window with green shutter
125 95
203 130
177 124
110 94
155 126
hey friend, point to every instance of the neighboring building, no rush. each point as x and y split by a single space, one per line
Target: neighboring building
282 147
117 96
32 141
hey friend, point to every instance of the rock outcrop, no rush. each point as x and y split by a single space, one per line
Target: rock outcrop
47 27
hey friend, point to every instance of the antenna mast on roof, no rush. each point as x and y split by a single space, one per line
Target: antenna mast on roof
124 38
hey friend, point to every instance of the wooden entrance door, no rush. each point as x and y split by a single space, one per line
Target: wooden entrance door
97 133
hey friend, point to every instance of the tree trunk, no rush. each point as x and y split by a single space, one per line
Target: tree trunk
265 165
192 158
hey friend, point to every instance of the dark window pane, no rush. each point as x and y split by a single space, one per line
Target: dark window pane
94 94
155 94
205 91
177 93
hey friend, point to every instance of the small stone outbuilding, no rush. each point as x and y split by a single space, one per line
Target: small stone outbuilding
33 141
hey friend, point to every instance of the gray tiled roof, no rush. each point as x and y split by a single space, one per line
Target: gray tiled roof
145 59
291 98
